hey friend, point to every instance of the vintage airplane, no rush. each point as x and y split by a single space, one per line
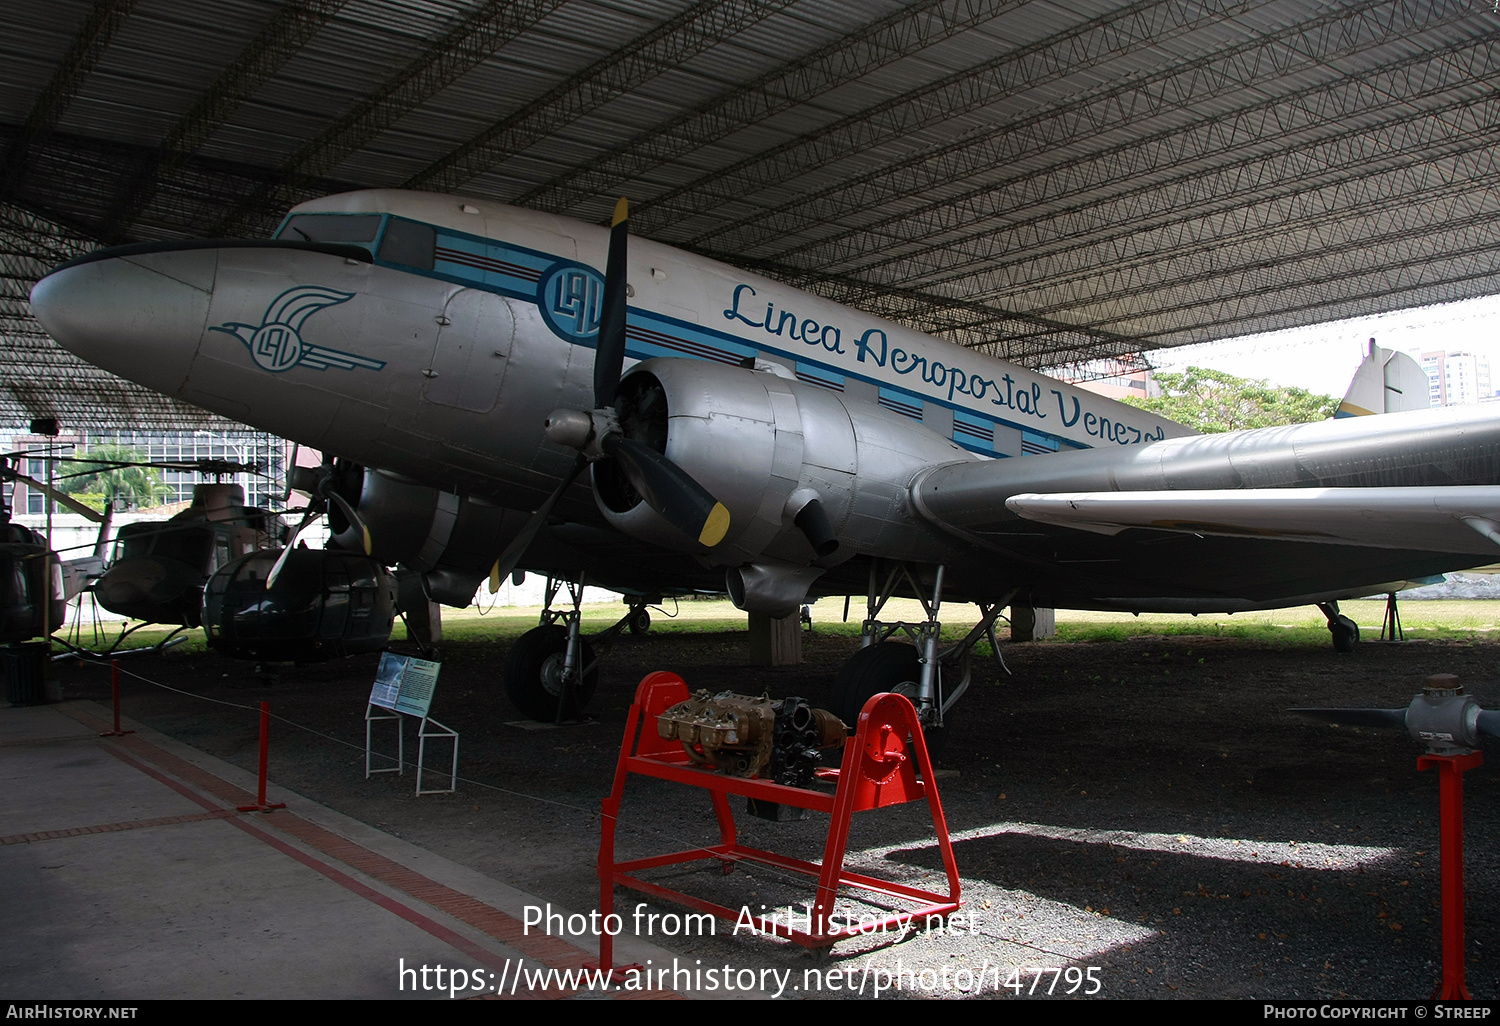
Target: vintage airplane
770 443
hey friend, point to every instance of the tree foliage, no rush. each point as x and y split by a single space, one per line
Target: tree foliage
99 483
1211 400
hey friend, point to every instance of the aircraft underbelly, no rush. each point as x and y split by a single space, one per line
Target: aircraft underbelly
1157 571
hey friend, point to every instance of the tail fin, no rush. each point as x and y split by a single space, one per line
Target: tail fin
1386 382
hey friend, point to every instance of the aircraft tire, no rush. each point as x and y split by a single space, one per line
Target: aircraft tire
1345 634
529 674
640 621
884 666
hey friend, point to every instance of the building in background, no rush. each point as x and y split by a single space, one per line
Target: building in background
262 488
1114 379
1457 378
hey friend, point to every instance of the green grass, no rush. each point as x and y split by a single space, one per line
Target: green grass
1451 619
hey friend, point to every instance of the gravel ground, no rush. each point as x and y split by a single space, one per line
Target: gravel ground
1146 807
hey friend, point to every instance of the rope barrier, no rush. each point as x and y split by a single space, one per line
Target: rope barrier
592 814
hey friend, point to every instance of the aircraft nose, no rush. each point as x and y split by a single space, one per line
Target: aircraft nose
139 312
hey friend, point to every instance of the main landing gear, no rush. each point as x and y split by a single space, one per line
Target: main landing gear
552 670
1344 630
931 676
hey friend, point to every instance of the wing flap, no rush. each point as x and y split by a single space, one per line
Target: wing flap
1437 519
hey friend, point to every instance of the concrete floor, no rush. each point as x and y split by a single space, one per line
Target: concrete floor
126 873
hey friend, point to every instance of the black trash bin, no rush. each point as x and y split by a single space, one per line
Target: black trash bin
26 672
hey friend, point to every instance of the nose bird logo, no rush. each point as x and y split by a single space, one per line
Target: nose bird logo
276 343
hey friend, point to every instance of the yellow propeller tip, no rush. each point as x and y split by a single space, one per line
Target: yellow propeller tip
369 547
622 211
715 527
495 577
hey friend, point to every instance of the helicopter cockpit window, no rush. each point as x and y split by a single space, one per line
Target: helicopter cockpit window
355 229
409 244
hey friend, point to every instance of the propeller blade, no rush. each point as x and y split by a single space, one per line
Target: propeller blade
291 543
291 464
670 490
517 548
353 518
609 358
1357 717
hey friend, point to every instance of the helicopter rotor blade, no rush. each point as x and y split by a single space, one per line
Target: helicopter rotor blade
60 497
1357 717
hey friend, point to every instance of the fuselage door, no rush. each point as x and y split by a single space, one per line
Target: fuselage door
472 351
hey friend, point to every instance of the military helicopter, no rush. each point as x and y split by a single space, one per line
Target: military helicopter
230 568
160 569
235 571
33 597
296 604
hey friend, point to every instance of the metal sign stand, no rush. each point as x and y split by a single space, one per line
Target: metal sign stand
440 731
403 688
373 714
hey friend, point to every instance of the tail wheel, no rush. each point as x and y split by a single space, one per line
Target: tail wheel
533 674
1345 633
887 666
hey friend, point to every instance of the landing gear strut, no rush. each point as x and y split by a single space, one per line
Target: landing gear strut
638 620
552 670
921 671
1344 630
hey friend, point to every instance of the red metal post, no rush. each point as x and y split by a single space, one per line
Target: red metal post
1451 840
265 746
114 690
879 769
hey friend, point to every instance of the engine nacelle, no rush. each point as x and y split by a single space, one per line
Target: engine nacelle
805 474
452 539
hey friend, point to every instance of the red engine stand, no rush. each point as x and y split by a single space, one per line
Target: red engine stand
1451 846
878 770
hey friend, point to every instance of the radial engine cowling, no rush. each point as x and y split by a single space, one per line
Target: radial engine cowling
452 539
773 450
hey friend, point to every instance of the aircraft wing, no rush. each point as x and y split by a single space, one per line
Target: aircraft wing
1434 519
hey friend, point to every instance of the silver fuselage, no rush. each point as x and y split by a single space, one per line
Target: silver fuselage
438 362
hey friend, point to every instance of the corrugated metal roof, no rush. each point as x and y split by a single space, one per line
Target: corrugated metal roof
1050 181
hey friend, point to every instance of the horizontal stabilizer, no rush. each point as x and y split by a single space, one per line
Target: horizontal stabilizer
1439 519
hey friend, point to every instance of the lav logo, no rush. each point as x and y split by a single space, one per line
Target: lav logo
276 343
570 297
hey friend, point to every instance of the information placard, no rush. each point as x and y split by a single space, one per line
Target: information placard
404 684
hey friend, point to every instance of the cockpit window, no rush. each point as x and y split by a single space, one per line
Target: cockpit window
409 244
347 228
